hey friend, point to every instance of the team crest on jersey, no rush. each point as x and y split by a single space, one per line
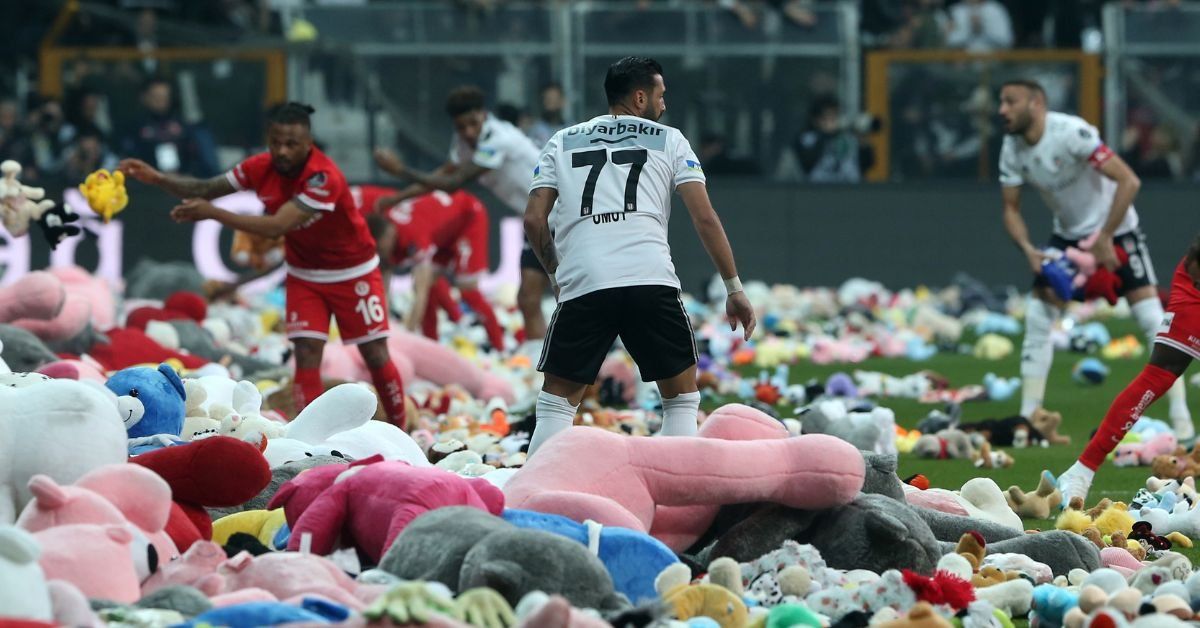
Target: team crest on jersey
362 288
1165 325
316 181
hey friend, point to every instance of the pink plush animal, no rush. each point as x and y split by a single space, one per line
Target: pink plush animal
196 568
38 295
117 494
94 290
70 320
345 363
1143 453
288 574
370 503
586 473
78 370
98 559
441 365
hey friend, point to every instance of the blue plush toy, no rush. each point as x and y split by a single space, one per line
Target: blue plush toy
252 614
1050 606
633 559
151 402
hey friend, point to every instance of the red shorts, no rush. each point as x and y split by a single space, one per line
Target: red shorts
1180 328
467 258
358 304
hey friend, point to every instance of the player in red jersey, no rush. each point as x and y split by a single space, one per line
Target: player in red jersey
332 265
438 234
1176 344
367 198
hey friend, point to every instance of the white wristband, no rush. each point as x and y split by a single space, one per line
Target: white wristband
733 285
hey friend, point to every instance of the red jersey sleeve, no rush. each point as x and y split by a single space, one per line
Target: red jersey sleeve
321 190
248 174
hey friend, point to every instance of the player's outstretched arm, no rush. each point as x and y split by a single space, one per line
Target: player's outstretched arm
537 227
447 178
175 184
1014 224
716 243
290 216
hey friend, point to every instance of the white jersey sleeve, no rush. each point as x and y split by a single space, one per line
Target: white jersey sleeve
687 165
1010 169
1081 139
545 173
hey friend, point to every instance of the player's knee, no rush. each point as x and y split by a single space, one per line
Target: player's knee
375 353
308 353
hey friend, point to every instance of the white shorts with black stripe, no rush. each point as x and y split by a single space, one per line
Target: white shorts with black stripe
650 320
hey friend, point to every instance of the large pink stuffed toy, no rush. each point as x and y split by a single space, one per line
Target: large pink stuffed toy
113 494
290 576
37 295
370 503
98 559
587 473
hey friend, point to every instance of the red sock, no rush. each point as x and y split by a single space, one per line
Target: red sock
391 392
1152 383
429 323
487 316
440 296
306 387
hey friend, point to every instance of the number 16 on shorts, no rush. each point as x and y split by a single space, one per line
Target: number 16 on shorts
370 306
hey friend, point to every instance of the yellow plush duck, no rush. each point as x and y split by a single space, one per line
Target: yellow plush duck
105 193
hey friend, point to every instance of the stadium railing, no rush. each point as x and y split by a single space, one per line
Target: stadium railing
940 106
1152 58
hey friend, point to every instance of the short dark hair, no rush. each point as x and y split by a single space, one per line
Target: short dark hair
464 99
291 113
1193 253
629 75
1028 84
821 104
550 85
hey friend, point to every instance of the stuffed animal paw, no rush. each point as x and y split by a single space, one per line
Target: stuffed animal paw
413 602
485 608
105 193
20 205
54 225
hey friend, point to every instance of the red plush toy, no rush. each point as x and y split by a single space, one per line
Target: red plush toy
181 305
1104 283
943 588
215 472
129 347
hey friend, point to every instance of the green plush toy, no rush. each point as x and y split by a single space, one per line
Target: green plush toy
786 615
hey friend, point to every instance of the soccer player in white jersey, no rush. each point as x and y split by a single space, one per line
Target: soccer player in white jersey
502 158
1089 189
597 218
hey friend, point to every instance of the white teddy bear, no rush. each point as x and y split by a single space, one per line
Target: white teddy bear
20 205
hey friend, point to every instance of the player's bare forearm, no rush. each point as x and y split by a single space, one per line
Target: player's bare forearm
537 226
183 186
708 227
444 179
1014 223
264 226
1128 185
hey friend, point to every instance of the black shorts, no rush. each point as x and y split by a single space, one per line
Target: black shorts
650 320
529 259
1138 273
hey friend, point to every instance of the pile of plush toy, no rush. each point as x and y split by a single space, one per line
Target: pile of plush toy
153 472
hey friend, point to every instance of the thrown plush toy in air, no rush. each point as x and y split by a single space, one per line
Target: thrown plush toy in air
53 224
105 192
20 205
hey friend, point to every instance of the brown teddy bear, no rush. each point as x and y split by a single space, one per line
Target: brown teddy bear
1047 423
1178 465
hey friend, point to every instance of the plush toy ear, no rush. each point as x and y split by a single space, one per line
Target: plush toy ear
239 562
120 534
48 493
18 546
173 377
885 528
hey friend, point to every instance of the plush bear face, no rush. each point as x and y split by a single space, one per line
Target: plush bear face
151 401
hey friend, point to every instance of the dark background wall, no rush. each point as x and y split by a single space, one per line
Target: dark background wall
899 234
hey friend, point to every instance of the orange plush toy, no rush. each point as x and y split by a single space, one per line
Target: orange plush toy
256 252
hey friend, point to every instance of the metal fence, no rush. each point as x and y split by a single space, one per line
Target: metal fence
750 86
1152 88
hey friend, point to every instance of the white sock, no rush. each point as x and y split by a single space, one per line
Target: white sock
1079 469
1037 353
1149 315
554 414
679 415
